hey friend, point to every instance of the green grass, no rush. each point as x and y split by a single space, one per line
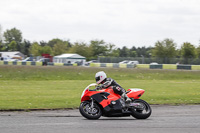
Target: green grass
146 66
34 87
195 67
87 73
169 66
40 94
66 93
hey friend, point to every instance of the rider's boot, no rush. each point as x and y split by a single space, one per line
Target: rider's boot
126 98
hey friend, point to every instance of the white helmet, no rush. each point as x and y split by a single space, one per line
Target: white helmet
100 76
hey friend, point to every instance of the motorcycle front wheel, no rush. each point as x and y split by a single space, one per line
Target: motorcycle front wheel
142 110
88 112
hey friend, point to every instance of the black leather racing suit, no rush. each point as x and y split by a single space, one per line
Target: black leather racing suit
116 87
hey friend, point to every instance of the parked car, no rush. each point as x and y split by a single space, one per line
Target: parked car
124 62
92 61
129 62
153 63
133 62
28 59
44 60
13 60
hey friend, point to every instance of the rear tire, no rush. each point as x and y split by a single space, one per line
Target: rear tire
142 113
90 113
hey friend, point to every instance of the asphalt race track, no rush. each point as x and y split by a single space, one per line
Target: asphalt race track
164 119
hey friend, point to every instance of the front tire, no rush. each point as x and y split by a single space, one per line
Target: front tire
88 112
143 111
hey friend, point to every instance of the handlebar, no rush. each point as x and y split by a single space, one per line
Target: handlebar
93 89
97 88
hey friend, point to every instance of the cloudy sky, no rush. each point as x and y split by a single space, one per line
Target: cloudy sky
121 22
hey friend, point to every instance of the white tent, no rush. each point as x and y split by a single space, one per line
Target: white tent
69 58
12 55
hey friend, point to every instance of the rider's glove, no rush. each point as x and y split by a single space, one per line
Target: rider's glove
100 87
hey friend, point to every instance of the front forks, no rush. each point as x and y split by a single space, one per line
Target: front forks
92 103
92 109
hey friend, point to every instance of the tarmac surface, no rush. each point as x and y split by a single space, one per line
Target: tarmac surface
164 119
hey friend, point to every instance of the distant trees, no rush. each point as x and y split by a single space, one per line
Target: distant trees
135 52
12 46
82 49
198 52
25 47
53 42
124 52
13 37
112 50
12 40
46 50
165 49
188 50
60 48
35 49
98 48
1 39
1 35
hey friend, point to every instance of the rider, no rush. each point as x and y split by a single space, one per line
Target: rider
105 82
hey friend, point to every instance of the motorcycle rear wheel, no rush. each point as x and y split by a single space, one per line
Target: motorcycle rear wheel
142 112
88 112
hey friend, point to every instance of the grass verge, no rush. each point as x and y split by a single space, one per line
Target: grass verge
87 73
53 94
47 87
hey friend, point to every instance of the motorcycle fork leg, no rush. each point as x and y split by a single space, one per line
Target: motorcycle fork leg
92 103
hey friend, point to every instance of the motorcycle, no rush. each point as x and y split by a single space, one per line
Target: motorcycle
96 103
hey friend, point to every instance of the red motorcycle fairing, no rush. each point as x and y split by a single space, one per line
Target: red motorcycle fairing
105 99
105 96
111 96
135 93
88 94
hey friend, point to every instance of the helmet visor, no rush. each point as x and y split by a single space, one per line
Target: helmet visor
97 78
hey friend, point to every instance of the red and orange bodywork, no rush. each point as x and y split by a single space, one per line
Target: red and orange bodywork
110 95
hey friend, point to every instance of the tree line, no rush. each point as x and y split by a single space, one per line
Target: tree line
12 40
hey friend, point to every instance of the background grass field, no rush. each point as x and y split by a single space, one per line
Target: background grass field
37 87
